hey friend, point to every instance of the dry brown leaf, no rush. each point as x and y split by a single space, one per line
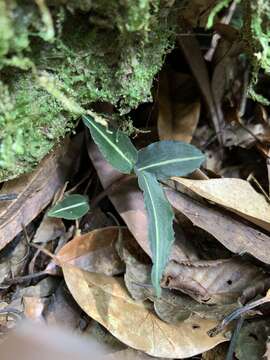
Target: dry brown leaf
236 195
172 307
33 308
128 201
106 300
49 229
237 236
218 353
13 263
95 251
62 310
177 118
128 354
35 190
193 54
214 282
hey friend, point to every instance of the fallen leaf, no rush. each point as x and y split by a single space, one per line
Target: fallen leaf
13 263
251 343
213 281
105 299
35 190
218 353
33 308
171 307
62 310
128 354
237 236
177 118
43 288
237 195
49 229
193 54
95 251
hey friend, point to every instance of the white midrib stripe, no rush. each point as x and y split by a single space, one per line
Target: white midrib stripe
156 224
109 141
68 207
166 162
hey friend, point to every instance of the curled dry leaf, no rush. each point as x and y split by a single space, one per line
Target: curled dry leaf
177 119
95 251
237 236
251 343
128 354
214 282
49 229
171 307
193 54
36 190
106 300
237 195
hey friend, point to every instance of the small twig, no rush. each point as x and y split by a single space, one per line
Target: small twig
250 178
19 279
11 311
230 354
8 197
110 189
70 191
237 313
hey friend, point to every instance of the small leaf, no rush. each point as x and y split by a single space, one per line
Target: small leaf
105 299
167 158
160 229
71 208
115 146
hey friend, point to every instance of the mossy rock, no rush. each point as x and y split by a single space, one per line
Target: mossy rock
56 61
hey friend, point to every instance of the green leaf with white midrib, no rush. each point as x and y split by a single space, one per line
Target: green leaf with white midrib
158 164
169 158
160 225
114 145
71 207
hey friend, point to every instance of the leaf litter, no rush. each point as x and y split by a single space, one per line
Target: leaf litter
205 238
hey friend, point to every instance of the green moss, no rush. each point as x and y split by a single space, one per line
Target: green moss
56 62
256 34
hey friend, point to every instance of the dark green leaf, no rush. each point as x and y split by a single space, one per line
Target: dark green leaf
71 207
114 145
169 158
160 225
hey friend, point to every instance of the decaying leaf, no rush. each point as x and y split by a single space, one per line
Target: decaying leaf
177 118
193 54
95 251
236 195
36 190
128 354
237 236
49 229
106 300
172 307
13 263
33 308
251 343
212 282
